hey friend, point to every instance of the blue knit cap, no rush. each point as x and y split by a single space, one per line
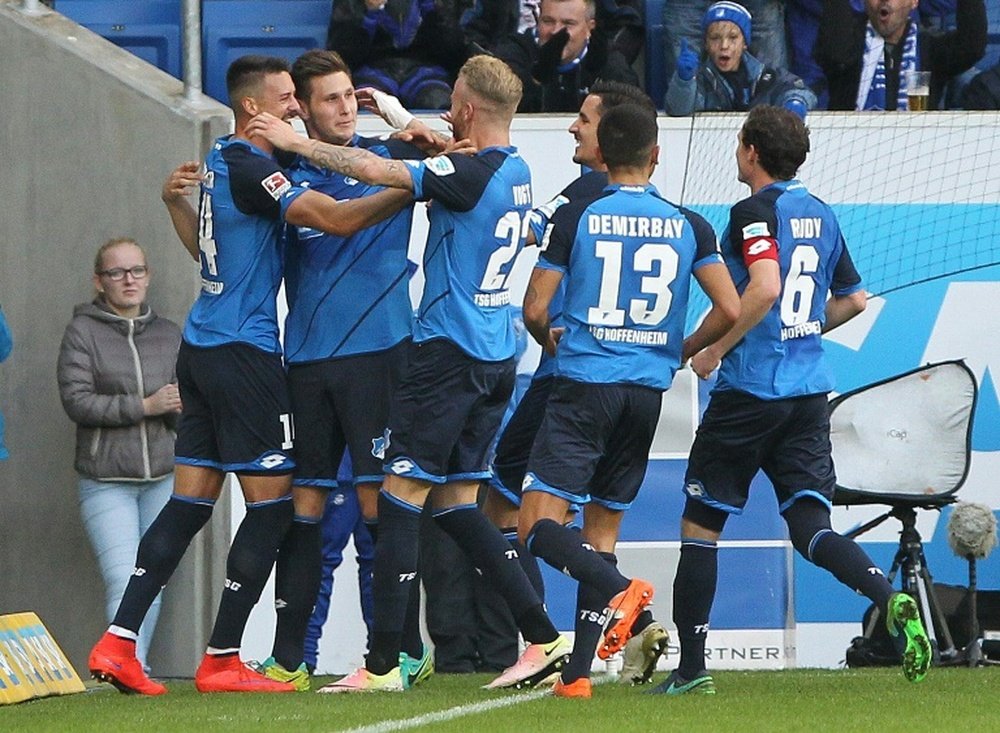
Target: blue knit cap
733 12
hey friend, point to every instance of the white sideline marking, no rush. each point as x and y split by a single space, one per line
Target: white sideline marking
388 726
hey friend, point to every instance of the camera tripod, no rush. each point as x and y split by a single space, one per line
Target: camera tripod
916 580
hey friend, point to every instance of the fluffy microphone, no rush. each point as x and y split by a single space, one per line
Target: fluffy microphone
972 530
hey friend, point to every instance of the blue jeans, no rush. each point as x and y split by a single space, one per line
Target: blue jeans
682 19
115 515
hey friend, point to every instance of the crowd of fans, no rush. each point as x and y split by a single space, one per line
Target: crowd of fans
721 56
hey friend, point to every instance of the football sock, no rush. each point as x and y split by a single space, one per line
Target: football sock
160 550
562 548
809 529
529 563
412 643
493 555
248 566
849 564
395 574
588 627
694 591
296 585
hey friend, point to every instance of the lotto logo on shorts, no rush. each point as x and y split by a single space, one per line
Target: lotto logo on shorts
693 488
272 461
402 466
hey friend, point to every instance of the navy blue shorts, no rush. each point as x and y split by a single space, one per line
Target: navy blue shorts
593 443
343 403
237 415
740 434
514 445
446 413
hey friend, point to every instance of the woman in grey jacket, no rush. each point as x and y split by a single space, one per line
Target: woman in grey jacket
116 381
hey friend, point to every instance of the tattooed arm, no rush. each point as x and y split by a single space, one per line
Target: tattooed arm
354 162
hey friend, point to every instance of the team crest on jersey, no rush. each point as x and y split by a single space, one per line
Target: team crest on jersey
276 184
380 445
440 166
757 229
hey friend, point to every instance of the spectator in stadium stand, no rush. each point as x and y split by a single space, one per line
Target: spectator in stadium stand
562 57
117 383
487 23
865 55
411 49
730 78
983 92
6 345
682 21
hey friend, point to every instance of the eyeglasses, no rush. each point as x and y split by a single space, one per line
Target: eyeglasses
118 273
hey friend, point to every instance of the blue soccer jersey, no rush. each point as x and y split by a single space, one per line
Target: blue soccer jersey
782 356
244 197
478 221
347 295
628 255
587 185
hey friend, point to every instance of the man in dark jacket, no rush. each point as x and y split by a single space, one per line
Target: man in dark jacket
865 56
562 57
411 49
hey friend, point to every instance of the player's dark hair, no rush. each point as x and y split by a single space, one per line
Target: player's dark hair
616 93
780 137
626 135
246 73
315 63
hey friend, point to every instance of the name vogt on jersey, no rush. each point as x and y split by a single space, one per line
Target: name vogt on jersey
620 225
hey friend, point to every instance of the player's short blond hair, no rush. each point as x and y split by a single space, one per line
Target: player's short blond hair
494 83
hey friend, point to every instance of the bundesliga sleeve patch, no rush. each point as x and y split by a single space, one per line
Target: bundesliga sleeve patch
757 229
440 166
276 184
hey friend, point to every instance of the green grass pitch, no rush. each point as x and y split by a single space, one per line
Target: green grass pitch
840 701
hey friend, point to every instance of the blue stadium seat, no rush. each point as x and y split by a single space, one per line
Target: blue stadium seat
150 29
656 78
234 28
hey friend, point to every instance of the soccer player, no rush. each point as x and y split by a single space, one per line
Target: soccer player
236 415
768 410
346 337
461 367
649 638
628 256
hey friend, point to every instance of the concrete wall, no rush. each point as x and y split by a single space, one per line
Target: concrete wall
89 133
